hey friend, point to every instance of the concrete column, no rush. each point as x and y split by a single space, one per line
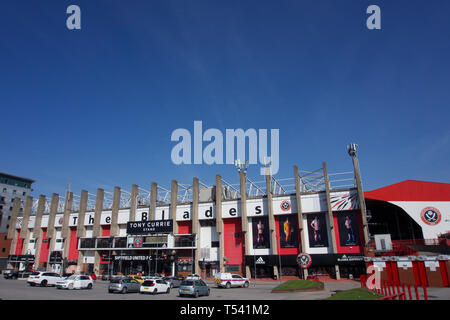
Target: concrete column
195 221
173 205
37 230
330 215
96 230
219 222
153 196
24 231
272 229
97 262
115 229
302 245
65 230
244 219
81 229
362 202
133 202
51 230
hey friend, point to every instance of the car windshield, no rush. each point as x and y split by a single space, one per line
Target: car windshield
72 277
187 283
115 280
147 283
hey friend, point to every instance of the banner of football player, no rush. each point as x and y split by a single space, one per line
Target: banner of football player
287 225
348 228
260 229
317 230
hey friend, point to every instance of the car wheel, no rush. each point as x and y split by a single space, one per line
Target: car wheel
43 283
89 286
124 290
155 291
70 287
196 294
110 291
228 285
207 293
168 290
246 284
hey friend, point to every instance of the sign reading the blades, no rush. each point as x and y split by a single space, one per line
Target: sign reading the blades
149 227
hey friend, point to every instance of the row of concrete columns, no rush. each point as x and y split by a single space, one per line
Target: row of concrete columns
114 229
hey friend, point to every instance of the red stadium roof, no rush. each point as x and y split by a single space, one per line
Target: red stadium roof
411 190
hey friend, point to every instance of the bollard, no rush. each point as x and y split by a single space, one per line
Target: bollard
417 292
409 290
425 295
404 292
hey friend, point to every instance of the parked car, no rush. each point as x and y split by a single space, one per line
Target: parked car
193 288
228 280
91 274
174 282
10 274
43 278
193 277
76 281
123 285
137 278
312 277
155 286
152 277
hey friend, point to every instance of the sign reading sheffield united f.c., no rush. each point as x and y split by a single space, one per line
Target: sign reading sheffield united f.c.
304 260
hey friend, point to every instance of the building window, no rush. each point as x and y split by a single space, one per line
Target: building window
9 217
214 244
24 193
6 237
14 191
4 189
10 208
232 267
3 249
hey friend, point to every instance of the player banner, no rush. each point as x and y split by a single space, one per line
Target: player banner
317 230
260 228
287 225
348 228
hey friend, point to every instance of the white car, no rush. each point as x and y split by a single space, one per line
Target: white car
228 280
76 281
154 286
193 277
43 279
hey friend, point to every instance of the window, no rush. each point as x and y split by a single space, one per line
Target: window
232 267
14 191
4 190
214 244
10 208
6 237
3 249
24 193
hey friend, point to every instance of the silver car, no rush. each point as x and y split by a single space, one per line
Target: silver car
174 282
124 285
193 288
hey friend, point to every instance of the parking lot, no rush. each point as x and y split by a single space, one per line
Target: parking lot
20 290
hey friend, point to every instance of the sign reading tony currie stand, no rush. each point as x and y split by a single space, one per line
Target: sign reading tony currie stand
149 227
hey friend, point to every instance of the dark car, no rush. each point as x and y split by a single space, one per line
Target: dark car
10 274
174 282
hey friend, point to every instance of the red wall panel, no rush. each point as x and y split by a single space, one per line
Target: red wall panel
44 247
106 231
286 251
234 249
73 248
346 249
19 245
184 227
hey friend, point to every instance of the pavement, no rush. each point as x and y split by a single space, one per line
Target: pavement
20 290
260 290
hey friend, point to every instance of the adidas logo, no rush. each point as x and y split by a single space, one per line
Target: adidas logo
260 260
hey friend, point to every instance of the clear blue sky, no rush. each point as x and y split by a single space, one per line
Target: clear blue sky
96 107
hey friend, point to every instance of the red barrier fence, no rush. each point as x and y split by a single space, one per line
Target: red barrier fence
391 290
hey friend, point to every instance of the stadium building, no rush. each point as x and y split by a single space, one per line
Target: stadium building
255 228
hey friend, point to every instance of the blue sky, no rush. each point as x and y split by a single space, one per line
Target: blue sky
96 107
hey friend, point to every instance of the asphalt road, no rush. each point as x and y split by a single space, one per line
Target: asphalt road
20 290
